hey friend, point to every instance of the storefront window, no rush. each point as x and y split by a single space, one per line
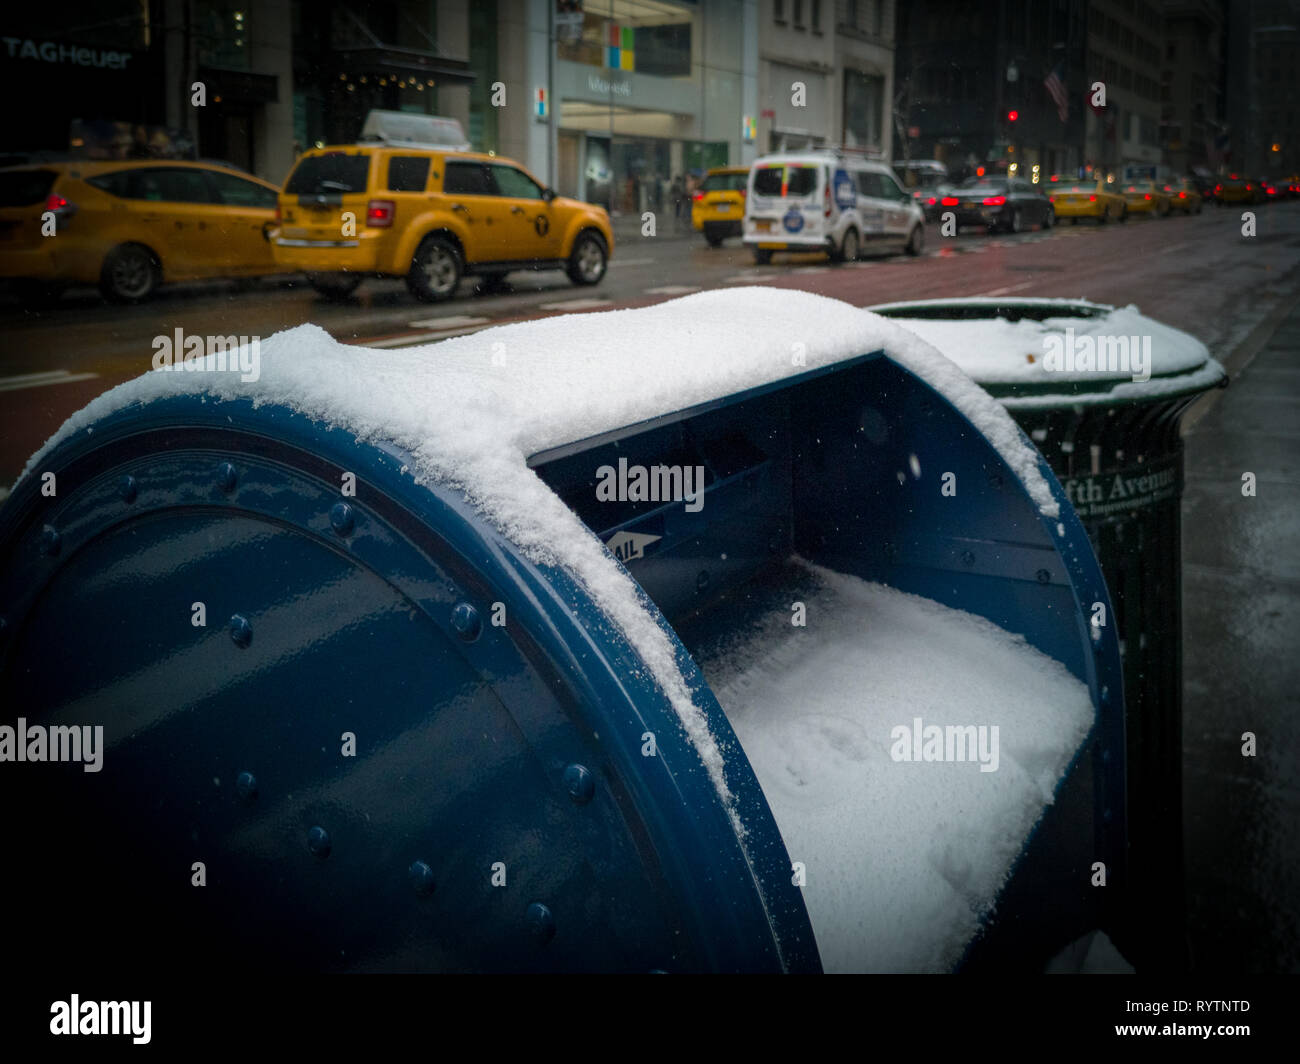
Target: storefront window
863 98
597 38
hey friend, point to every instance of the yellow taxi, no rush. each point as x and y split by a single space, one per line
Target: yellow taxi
1074 199
430 216
1146 197
1184 196
131 226
1236 189
718 205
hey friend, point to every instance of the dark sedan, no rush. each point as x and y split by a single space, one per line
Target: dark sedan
1007 205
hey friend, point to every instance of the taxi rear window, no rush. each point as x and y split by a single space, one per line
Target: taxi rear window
22 188
785 180
333 173
725 182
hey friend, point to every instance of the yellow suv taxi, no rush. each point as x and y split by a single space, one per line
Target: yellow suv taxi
718 205
430 216
131 226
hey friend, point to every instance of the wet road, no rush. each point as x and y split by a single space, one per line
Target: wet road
1197 273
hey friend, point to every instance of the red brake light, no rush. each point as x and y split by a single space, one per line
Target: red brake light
1092 199
1250 188
1218 188
994 201
379 213
55 202
1147 196
1182 195
931 202
698 197
949 201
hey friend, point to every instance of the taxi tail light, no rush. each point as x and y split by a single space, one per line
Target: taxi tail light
950 201
698 197
1092 199
1182 195
994 201
1147 196
60 205
379 213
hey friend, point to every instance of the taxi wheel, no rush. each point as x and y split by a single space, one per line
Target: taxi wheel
131 273
334 286
587 261
1074 221
435 271
715 241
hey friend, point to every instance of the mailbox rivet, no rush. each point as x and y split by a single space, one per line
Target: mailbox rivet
318 841
421 877
342 518
240 630
127 488
580 782
227 477
51 541
1044 577
542 922
464 619
246 786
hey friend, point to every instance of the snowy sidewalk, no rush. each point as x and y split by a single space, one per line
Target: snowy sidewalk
1241 610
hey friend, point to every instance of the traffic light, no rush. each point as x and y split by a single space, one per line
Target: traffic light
1012 115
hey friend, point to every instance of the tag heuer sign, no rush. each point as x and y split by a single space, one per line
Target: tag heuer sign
72 54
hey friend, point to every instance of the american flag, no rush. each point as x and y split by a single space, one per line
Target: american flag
1056 86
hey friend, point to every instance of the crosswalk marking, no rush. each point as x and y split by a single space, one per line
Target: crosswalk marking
40 380
574 304
450 321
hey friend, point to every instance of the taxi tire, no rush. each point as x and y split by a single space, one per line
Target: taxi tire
431 249
714 240
334 286
582 252
129 260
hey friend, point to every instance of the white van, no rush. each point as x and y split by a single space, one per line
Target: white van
828 201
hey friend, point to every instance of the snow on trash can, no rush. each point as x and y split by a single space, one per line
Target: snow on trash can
1102 390
739 633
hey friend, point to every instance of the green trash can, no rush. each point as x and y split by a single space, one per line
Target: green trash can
1112 438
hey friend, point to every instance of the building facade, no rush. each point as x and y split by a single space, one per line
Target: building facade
1263 44
995 86
1192 89
1126 54
826 74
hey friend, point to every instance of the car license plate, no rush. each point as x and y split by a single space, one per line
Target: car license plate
762 226
723 208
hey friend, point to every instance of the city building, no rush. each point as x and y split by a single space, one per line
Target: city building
995 86
1125 54
826 73
1192 98
1264 86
